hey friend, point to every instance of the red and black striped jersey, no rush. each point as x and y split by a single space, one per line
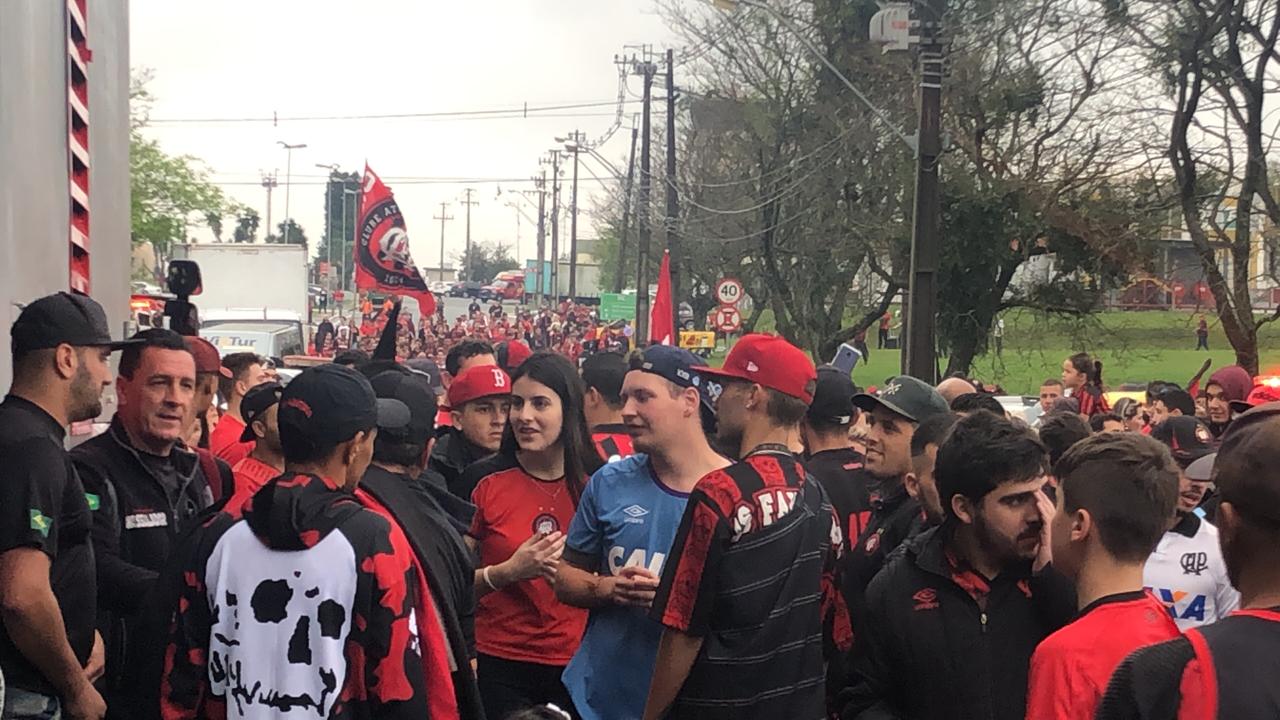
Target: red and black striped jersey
1222 671
750 571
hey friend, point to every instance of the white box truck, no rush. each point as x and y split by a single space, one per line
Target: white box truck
251 282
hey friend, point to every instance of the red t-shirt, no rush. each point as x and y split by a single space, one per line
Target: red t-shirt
523 621
224 440
250 475
1070 668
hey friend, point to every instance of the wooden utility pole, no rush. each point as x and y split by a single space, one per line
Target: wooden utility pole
618 279
673 197
542 235
646 69
573 220
443 217
470 262
920 357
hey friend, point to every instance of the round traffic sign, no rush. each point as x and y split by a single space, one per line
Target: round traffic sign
727 319
728 291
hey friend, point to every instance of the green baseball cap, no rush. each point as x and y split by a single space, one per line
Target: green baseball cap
904 395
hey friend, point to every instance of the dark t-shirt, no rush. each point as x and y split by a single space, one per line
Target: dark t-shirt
840 472
44 506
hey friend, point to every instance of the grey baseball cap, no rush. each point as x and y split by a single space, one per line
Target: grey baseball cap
906 396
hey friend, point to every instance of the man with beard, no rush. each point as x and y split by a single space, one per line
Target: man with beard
49 653
1226 670
952 620
623 528
1187 572
741 592
892 417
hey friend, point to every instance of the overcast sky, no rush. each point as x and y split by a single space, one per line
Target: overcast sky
296 58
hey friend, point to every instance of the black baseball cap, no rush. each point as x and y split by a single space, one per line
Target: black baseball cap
428 368
678 366
1188 438
833 397
258 400
63 318
415 391
909 397
329 404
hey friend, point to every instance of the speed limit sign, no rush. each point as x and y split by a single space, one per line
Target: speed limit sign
729 291
727 319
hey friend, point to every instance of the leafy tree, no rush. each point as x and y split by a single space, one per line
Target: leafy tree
288 231
341 208
169 193
1213 67
486 261
246 230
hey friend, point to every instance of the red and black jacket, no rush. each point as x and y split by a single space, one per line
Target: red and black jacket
612 441
941 642
1222 671
305 603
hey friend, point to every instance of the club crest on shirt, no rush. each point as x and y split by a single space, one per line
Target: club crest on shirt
546 523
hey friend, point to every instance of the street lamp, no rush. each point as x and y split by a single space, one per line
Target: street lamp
573 144
288 174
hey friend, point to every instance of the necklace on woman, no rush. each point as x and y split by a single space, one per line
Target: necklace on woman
540 483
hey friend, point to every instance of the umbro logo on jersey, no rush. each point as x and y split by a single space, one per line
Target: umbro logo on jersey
926 599
1194 563
634 513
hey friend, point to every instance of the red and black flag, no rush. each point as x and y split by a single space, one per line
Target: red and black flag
382 247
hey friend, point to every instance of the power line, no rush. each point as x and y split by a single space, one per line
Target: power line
522 111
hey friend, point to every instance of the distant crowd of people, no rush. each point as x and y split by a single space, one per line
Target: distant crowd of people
522 534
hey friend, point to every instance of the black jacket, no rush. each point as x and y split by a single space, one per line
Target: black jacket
450 570
929 651
451 456
134 529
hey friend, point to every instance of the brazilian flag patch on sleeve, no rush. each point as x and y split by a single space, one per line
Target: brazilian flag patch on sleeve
41 522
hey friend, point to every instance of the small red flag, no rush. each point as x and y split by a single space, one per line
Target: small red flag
382 257
662 329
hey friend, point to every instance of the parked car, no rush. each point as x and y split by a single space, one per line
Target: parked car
468 289
441 287
686 316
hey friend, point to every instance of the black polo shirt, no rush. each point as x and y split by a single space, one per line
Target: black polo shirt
43 506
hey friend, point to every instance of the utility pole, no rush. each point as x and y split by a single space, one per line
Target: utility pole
268 182
469 202
626 212
555 226
647 69
443 217
920 357
673 198
573 220
542 235
288 181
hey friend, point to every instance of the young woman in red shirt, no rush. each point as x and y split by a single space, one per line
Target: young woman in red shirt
525 497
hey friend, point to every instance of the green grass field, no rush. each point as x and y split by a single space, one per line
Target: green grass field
1135 347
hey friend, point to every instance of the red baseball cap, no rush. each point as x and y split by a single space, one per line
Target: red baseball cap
477 382
206 355
512 354
1262 393
771 362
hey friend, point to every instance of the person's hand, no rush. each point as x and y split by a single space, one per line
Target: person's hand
539 556
1047 510
632 587
84 704
97 663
